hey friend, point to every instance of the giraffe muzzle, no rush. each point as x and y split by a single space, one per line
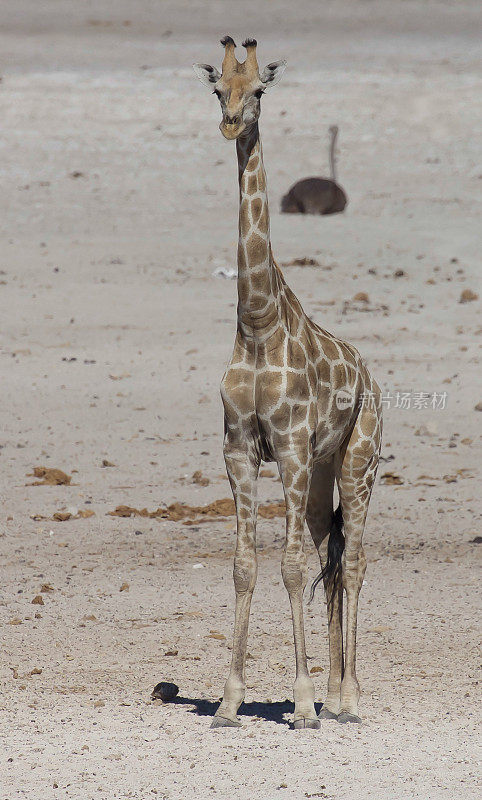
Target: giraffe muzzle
232 127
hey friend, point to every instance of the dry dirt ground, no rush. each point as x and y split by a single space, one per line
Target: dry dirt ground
118 203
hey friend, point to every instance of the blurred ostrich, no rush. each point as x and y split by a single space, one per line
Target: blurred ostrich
317 195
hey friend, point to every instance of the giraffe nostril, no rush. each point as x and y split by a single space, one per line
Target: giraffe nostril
231 120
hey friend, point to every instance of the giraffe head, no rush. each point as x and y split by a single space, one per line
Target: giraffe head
239 86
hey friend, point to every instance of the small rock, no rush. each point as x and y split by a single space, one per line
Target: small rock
171 652
124 587
52 477
99 704
199 478
391 479
62 516
304 261
225 272
165 691
361 297
38 600
478 407
467 296
429 429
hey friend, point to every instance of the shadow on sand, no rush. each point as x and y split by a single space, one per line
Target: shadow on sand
272 712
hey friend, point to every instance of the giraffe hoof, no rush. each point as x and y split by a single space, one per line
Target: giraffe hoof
345 716
326 714
305 722
224 722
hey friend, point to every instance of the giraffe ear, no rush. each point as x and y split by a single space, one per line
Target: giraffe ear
273 73
206 74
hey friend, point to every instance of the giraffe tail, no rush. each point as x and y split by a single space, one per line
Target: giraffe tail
336 545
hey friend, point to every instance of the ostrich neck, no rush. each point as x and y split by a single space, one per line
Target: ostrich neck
332 157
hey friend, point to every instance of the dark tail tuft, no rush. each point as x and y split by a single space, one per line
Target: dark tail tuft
336 545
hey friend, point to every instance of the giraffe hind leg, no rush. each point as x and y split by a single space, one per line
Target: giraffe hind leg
357 474
325 528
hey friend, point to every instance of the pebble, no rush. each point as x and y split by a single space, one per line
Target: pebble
165 691
467 296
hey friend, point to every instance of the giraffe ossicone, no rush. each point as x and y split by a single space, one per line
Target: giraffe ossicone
293 394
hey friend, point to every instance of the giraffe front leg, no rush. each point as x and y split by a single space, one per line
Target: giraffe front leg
295 471
242 470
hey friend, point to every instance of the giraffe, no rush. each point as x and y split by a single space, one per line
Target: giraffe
296 395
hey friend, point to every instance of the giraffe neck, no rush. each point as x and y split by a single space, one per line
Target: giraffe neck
258 284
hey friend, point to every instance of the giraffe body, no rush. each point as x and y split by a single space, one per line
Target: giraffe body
292 394
289 385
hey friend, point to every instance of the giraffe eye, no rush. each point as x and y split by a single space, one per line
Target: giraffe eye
258 93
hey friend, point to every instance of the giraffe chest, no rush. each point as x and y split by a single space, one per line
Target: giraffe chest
270 398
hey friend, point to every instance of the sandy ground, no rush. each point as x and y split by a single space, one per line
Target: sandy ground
118 203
